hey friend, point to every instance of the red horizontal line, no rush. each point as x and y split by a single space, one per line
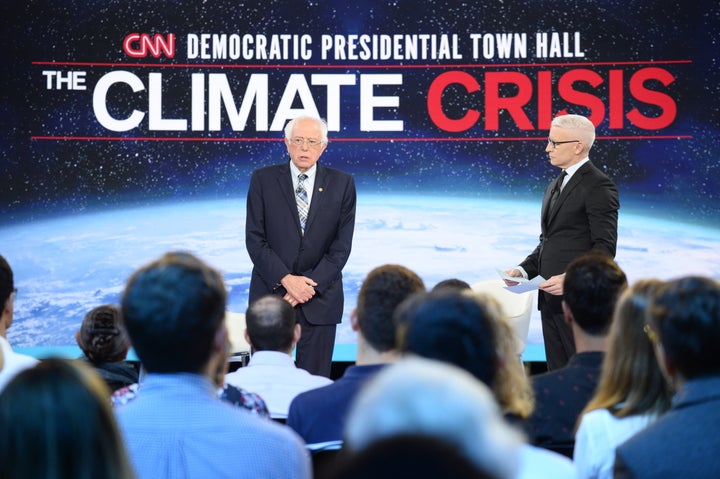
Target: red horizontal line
358 67
647 137
439 139
145 138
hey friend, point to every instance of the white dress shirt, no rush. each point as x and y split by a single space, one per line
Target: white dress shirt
274 376
13 363
309 182
538 462
571 171
599 434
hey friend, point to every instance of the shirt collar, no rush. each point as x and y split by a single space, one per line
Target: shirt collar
179 381
271 358
295 171
698 390
572 169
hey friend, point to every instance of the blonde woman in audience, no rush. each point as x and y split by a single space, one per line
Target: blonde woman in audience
56 422
632 391
512 387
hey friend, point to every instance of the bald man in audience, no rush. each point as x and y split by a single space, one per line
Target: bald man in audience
272 333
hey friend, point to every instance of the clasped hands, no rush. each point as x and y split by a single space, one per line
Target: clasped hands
553 285
299 289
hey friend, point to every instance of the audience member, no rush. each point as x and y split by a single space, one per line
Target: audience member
432 398
512 387
105 344
319 415
408 455
453 327
592 284
57 423
174 310
684 326
454 284
632 391
11 362
467 330
272 333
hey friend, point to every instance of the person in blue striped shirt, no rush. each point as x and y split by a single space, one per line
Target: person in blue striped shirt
174 310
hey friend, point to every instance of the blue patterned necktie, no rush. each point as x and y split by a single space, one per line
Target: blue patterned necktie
301 198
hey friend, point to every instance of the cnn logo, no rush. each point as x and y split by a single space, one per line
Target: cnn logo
139 45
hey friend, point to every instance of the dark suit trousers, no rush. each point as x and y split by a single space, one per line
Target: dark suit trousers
557 336
314 351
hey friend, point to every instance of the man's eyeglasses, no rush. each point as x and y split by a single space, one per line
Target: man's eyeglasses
554 144
311 142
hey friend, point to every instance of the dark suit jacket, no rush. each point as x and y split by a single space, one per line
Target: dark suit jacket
584 218
277 247
560 397
684 443
319 415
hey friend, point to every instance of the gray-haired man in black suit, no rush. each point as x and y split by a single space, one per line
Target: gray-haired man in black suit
298 232
579 214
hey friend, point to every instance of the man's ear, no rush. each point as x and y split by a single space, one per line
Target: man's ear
569 318
353 320
221 341
297 333
6 315
247 337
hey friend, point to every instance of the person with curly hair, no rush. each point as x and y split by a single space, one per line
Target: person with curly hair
105 344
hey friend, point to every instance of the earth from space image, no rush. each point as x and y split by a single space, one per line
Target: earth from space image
68 265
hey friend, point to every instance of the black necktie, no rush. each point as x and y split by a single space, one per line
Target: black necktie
555 193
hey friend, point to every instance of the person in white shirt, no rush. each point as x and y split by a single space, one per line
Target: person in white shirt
632 391
11 362
272 333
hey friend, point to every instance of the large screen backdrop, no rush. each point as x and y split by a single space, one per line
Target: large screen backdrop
131 128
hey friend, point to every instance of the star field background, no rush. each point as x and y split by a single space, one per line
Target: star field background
672 178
